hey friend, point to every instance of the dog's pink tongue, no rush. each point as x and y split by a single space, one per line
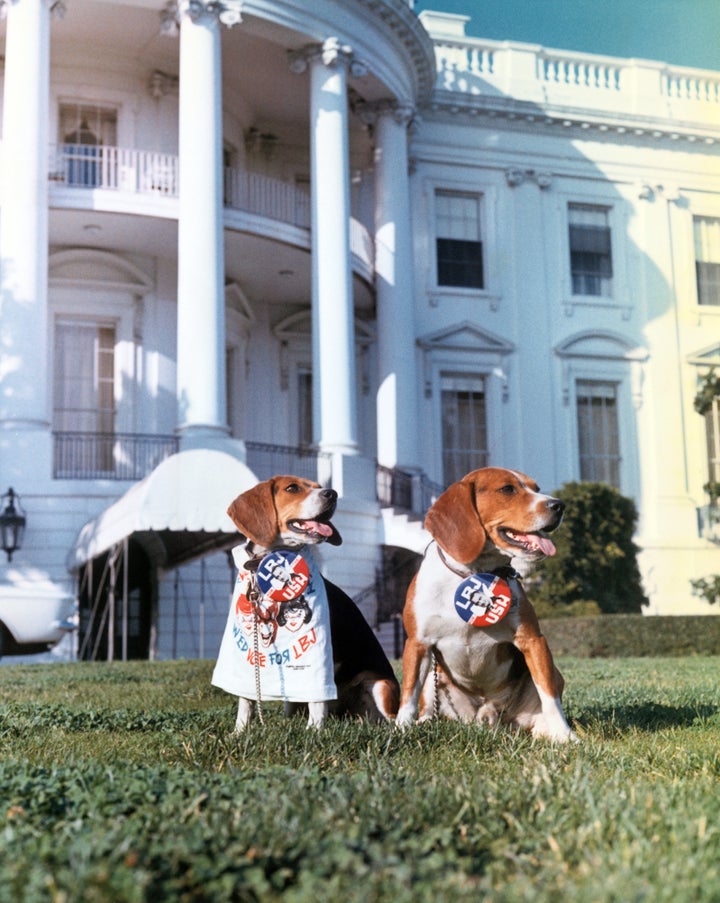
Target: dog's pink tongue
316 527
539 542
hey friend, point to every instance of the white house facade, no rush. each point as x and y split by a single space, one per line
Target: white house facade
246 237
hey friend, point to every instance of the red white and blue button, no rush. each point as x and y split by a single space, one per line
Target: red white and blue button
483 599
282 575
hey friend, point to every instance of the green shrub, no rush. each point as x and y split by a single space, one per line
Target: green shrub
596 560
628 636
708 588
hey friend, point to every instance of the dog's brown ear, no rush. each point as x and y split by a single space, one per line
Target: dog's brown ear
454 523
253 513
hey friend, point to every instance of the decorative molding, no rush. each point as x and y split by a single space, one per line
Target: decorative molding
602 345
706 357
515 177
648 192
530 115
295 332
402 112
470 338
227 12
162 83
57 8
89 267
332 53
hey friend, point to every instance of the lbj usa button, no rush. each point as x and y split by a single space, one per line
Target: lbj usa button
483 599
282 575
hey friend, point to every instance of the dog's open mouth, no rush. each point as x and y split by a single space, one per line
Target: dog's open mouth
311 529
531 543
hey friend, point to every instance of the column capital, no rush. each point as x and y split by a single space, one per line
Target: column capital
57 7
402 112
227 12
332 53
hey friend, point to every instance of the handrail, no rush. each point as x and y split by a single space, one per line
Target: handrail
528 72
155 174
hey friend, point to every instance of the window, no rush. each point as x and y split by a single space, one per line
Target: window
84 388
590 251
83 129
598 434
464 425
458 239
305 407
707 259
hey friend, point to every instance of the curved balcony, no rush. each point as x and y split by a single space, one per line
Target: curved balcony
149 174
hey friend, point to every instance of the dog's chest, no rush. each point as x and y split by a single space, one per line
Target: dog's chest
439 623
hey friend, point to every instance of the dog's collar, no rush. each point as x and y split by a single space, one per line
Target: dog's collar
504 571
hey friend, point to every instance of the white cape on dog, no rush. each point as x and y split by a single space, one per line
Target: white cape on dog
293 661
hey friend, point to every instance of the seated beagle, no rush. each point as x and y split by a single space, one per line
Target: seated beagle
466 609
291 634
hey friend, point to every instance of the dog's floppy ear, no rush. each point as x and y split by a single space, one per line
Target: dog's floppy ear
253 513
454 523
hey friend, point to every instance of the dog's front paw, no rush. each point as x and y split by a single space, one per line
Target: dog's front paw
405 717
561 735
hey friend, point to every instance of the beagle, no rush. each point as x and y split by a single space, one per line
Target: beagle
467 609
293 514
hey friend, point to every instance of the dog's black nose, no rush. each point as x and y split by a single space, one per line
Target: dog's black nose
556 505
329 494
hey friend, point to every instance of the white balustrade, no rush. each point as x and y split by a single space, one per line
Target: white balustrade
493 68
148 172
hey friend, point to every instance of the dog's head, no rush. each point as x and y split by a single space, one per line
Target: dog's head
493 510
286 511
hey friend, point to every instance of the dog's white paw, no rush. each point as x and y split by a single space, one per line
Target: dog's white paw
405 717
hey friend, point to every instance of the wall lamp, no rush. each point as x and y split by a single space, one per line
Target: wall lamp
12 523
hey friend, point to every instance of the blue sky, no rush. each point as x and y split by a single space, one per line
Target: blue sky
683 32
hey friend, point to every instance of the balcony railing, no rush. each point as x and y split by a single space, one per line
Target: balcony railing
266 460
114 168
132 456
259 194
150 173
108 456
525 72
397 488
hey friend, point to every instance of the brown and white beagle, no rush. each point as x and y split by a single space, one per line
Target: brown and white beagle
287 512
487 523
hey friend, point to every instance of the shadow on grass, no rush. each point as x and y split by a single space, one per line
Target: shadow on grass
648 716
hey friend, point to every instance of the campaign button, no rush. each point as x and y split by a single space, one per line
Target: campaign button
283 575
483 599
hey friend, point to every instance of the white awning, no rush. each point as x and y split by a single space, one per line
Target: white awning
178 511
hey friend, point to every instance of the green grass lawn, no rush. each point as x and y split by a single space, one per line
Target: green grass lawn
123 783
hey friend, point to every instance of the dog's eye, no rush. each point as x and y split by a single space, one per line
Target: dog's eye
509 489
293 487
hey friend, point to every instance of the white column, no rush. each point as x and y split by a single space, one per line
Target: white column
24 222
397 442
334 377
201 260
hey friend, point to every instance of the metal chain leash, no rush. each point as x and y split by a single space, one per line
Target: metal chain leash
253 595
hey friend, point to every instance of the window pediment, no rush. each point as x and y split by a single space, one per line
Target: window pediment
97 269
601 345
465 336
706 357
